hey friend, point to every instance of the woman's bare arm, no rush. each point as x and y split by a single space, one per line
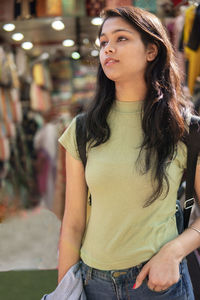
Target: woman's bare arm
189 240
74 220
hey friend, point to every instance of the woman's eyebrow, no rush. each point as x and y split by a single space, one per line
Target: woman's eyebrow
116 30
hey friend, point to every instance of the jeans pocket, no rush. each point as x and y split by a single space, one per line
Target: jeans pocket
175 287
175 291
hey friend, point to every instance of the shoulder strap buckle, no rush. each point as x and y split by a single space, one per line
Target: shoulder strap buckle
188 203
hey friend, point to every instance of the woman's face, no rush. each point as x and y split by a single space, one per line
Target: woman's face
123 55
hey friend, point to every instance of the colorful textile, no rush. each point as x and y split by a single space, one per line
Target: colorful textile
149 5
94 7
73 8
4 148
40 98
54 7
192 56
117 3
7 10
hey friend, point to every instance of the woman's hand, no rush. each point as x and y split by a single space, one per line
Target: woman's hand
162 270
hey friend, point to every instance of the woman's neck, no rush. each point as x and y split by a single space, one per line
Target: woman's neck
130 91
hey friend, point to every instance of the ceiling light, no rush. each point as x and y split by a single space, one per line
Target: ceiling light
44 56
9 27
97 21
17 36
97 42
27 45
75 55
68 43
86 41
58 25
94 52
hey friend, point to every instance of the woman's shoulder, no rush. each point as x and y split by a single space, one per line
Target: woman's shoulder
69 137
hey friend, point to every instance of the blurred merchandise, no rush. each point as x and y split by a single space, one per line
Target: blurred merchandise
73 8
117 3
150 5
7 10
94 7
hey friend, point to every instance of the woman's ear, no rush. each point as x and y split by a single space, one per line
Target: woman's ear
152 51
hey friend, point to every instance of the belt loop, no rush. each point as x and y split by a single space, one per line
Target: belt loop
88 275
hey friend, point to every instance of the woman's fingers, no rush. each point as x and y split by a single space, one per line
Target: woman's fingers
158 288
141 276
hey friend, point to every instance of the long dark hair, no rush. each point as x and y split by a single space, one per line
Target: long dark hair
164 105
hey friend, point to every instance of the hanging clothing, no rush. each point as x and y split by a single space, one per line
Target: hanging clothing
194 40
193 56
45 142
178 30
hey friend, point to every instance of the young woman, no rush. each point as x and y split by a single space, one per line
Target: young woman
130 248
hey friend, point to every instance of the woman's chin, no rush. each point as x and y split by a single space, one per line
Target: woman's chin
113 77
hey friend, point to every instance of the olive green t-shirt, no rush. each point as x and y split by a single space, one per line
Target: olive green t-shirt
121 233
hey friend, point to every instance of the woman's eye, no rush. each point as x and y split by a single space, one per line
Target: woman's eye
121 38
103 44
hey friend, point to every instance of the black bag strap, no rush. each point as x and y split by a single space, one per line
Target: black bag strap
81 137
193 148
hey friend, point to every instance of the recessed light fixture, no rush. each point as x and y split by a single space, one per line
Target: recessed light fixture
97 21
86 41
97 42
68 43
44 55
17 36
58 25
9 27
75 55
27 45
94 53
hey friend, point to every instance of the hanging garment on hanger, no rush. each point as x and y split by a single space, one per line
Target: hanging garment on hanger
4 148
16 107
150 5
194 40
192 56
5 72
94 7
41 75
7 127
49 8
73 8
178 2
45 142
10 106
40 98
54 7
117 3
13 70
7 10
178 31
41 8
24 9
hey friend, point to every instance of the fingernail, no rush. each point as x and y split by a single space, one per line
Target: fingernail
134 286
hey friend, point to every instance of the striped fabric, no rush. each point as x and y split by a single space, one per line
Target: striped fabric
70 287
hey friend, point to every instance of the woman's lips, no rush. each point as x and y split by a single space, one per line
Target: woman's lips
110 61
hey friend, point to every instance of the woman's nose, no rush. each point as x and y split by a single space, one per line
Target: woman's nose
109 49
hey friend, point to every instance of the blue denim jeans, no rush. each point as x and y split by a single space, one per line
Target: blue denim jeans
118 285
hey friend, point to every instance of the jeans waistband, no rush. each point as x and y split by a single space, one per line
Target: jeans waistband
129 273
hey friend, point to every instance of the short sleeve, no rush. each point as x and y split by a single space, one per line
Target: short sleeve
181 156
68 140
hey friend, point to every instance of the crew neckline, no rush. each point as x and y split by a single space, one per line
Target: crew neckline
128 106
